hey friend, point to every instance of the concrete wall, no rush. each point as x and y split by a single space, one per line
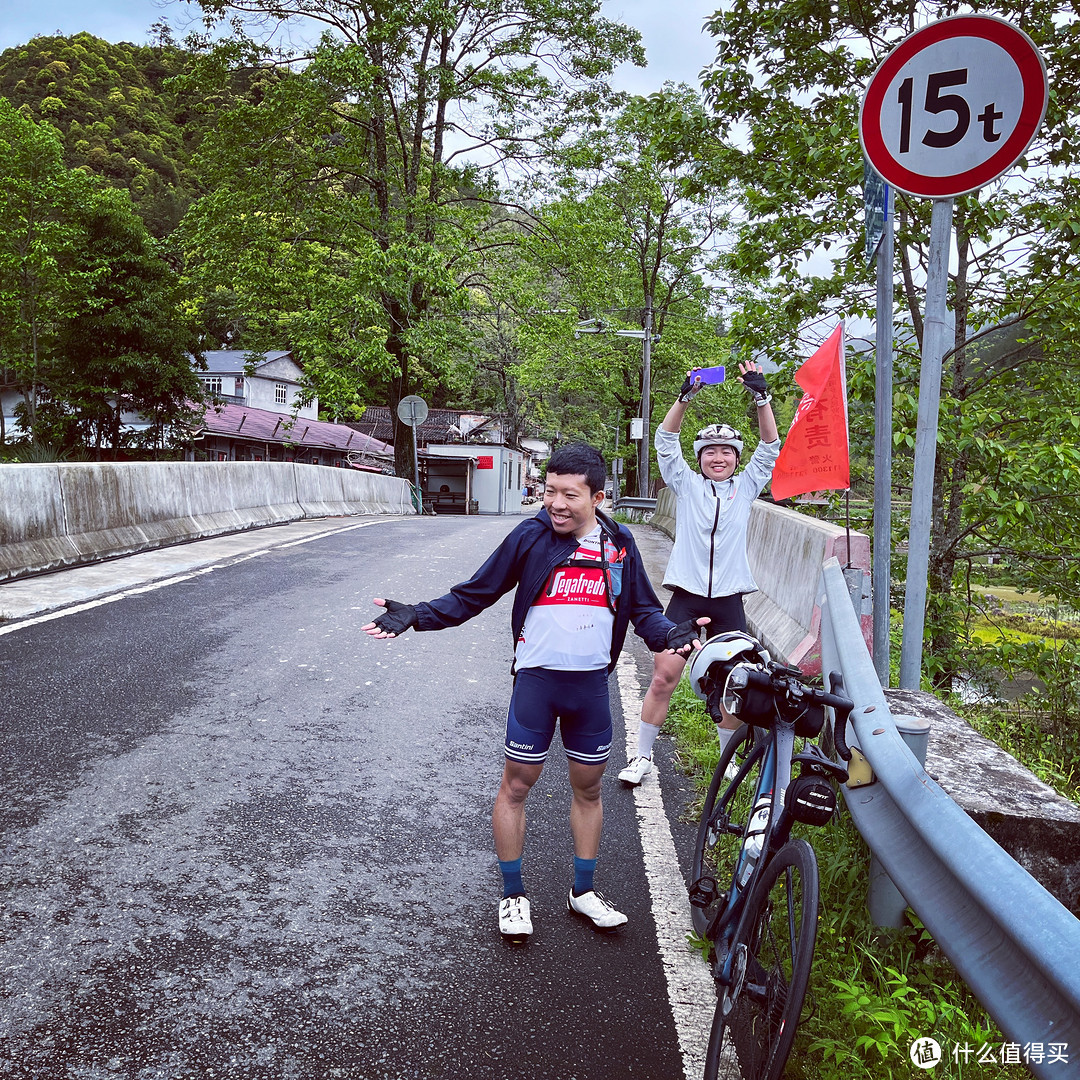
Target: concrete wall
59 515
787 551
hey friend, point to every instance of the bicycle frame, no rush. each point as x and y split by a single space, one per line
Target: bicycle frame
776 744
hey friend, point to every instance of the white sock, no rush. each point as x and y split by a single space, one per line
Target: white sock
646 737
725 736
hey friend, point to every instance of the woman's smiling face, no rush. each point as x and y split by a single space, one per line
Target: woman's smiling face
718 462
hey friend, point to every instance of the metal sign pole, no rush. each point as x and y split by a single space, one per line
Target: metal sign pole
883 394
413 410
646 392
413 422
935 339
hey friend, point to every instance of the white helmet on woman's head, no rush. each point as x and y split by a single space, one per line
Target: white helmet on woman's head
718 435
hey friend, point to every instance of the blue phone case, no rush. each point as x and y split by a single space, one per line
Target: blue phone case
711 375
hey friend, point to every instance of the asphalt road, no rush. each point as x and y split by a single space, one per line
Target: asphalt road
241 839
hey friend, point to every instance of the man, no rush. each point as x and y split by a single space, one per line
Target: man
708 571
580 584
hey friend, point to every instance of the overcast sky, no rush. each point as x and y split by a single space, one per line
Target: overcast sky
677 49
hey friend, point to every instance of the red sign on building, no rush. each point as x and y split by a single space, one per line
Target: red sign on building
485 462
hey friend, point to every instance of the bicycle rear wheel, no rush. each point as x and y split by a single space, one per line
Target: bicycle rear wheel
723 821
757 1019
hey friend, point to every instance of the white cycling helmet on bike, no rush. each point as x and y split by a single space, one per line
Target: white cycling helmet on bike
724 651
718 435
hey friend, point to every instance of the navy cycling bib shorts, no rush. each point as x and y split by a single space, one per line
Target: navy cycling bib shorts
543 697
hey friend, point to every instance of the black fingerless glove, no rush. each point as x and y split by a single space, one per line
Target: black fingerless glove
398 618
683 634
754 381
688 390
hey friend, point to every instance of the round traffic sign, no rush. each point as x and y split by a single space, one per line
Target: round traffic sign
953 106
412 410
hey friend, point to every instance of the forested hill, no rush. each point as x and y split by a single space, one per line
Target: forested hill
116 116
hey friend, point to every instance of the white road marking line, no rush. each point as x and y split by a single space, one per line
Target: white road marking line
691 991
175 579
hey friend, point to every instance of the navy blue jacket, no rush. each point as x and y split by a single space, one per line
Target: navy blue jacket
525 558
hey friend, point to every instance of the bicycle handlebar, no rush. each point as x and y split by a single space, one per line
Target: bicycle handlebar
787 683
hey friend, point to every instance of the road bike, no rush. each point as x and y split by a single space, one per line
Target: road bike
754 888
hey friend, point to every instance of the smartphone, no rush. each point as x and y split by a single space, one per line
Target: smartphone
710 375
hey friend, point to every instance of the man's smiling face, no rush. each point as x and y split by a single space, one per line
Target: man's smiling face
570 504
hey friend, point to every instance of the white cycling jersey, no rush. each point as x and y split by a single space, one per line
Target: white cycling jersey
568 626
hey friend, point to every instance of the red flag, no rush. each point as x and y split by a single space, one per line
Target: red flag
814 456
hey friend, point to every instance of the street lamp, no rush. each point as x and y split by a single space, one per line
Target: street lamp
647 338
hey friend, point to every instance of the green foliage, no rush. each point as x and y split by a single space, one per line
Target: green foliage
127 352
338 195
617 229
783 98
118 115
36 453
41 283
89 320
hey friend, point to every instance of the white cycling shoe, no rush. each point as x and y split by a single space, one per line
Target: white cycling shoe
515 921
636 771
594 907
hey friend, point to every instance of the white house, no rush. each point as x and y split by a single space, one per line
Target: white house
273 385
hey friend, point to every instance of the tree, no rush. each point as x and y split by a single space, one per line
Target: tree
784 94
127 350
622 239
40 283
117 114
402 96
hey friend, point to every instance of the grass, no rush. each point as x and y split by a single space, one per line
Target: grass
873 992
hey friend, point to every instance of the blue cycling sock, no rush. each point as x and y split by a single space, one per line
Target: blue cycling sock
583 875
511 875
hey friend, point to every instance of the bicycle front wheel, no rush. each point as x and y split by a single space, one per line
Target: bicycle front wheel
727 809
756 1018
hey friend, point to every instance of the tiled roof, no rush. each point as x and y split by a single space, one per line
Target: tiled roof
259 425
230 361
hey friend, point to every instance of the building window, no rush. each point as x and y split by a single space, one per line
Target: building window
239 392
281 394
213 384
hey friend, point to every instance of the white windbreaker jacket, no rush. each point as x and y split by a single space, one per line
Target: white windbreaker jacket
709 556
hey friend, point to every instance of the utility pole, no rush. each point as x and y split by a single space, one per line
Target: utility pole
596 326
646 378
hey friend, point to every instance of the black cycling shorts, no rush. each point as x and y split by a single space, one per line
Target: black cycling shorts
725 612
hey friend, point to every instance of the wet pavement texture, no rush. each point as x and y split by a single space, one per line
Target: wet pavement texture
242 839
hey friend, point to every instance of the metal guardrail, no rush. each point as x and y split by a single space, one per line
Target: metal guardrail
1012 942
630 503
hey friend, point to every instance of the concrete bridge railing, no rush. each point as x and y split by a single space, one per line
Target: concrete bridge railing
58 515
